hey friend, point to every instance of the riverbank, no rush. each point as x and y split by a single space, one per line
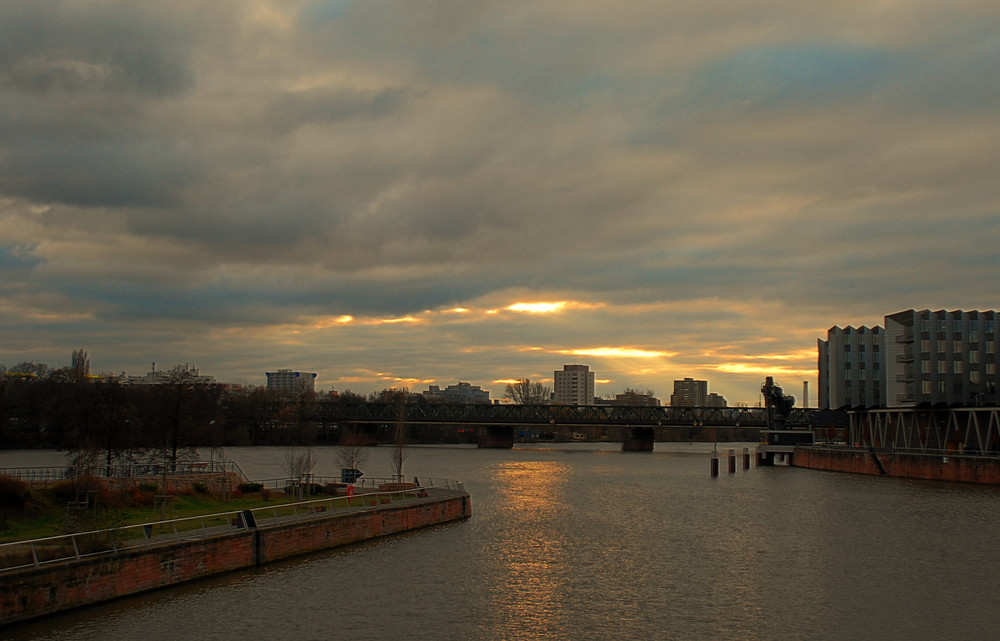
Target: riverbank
34 591
952 467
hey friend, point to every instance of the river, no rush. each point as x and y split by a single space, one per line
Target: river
582 541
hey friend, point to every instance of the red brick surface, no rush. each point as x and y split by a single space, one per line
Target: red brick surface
964 469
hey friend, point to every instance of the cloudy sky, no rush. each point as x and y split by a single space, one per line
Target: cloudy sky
414 192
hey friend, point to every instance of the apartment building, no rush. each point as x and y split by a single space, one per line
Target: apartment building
574 385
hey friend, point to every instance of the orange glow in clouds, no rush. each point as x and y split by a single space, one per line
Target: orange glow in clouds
538 308
620 352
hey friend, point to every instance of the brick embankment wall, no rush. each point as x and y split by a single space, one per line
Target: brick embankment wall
33 592
932 467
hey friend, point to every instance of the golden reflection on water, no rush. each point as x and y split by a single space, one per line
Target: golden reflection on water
528 581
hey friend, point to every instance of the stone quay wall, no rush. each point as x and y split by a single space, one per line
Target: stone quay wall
29 593
932 467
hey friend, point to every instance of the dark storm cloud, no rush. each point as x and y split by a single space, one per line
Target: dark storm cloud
51 46
76 82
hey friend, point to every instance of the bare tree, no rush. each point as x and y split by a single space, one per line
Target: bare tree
299 466
399 452
353 451
524 392
80 365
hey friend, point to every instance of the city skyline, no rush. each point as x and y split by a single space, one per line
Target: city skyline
411 193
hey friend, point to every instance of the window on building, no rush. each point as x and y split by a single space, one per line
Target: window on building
958 325
942 387
875 348
973 357
991 387
925 324
861 348
925 387
925 366
847 365
957 367
861 374
991 369
956 347
925 346
989 325
942 325
973 336
847 348
942 367
974 377
991 347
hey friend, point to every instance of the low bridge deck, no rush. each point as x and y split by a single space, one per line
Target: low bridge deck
563 415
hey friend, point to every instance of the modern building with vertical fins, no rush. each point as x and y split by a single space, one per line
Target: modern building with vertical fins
921 357
942 357
851 370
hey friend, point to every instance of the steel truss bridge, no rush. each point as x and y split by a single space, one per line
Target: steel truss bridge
483 414
971 429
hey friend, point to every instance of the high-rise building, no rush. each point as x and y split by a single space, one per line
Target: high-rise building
851 369
574 385
920 357
285 381
689 393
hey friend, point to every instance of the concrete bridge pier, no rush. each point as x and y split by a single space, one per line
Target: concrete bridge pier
496 437
638 439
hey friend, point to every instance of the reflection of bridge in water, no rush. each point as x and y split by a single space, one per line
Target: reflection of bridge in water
496 422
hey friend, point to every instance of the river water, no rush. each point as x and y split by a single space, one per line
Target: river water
582 541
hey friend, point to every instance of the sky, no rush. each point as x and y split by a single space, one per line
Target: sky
400 193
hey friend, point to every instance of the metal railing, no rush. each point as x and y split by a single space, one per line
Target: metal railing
35 476
110 541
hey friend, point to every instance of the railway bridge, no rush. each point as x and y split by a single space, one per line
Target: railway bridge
635 426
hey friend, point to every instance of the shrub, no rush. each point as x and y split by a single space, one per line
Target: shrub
250 488
89 488
14 493
149 486
199 487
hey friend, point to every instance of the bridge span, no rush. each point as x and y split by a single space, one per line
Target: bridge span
483 414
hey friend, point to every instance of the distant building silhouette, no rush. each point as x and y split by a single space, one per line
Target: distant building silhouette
180 373
460 393
635 399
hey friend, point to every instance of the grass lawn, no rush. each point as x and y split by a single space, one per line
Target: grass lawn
39 522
